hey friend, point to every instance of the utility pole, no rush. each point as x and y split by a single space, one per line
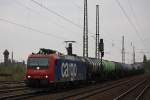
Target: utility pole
85 31
133 55
97 33
123 51
133 52
12 57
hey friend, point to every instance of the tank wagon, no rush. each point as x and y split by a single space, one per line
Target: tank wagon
49 67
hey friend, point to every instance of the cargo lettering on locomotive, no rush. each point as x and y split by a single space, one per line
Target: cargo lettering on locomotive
68 70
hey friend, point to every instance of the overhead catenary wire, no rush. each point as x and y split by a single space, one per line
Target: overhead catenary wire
90 18
132 24
32 29
36 12
59 15
35 30
134 15
129 20
26 7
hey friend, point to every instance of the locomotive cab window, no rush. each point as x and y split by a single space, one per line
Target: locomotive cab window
38 62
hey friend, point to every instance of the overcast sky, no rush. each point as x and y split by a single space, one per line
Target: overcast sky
48 30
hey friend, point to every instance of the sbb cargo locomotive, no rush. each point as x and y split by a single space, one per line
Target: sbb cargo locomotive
50 67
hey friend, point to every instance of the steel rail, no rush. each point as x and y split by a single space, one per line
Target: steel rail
11 81
129 90
24 95
13 89
102 89
140 95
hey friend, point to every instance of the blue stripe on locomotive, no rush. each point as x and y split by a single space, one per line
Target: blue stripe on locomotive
69 70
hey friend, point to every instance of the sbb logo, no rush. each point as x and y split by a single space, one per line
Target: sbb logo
68 70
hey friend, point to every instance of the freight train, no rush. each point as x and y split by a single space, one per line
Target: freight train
49 67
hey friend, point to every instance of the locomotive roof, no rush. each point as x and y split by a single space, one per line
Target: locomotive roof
39 55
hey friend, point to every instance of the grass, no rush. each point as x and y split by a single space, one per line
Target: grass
16 72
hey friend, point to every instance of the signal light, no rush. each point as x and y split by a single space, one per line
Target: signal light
46 76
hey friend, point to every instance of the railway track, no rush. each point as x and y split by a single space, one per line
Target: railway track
131 90
17 90
143 91
85 92
11 82
135 92
21 93
10 85
33 93
6 90
91 92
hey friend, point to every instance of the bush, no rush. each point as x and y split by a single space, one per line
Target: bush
13 72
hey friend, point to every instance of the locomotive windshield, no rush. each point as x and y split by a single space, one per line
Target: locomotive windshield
40 62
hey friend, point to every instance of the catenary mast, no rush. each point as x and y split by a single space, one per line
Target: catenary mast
97 33
85 31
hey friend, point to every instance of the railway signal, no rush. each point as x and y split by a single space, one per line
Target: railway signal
101 49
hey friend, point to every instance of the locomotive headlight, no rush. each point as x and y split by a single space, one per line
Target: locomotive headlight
29 76
46 76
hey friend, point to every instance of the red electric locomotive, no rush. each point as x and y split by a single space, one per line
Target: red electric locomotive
40 67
